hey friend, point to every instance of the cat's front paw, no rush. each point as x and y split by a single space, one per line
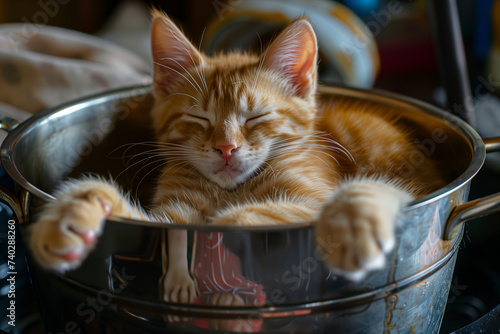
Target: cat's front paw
353 241
177 286
67 228
356 229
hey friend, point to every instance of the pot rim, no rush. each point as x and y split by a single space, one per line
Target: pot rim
478 148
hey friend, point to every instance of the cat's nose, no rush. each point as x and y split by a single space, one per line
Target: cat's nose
226 150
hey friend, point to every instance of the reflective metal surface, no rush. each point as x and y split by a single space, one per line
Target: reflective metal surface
278 272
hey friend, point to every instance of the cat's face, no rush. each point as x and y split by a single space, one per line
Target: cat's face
228 116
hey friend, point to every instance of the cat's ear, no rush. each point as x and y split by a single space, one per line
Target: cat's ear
173 54
293 55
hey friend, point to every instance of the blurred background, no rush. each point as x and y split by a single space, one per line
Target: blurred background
401 29
395 50
408 62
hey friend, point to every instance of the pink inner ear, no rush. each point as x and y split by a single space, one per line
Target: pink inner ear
173 55
293 55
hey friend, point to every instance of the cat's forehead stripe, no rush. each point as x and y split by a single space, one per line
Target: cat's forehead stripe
292 114
242 104
250 102
227 79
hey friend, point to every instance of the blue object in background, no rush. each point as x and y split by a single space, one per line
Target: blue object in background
362 7
482 31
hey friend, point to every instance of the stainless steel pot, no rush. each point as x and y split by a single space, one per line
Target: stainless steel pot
280 269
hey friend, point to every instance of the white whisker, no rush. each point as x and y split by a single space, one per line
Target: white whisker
204 81
182 75
182 94
194 63
261 63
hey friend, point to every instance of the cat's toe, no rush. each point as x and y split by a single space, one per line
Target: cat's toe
353 243
66 258
88 237
66 232
60 260
368 252
59 249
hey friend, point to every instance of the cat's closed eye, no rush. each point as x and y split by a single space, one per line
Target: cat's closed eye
199 117
253 120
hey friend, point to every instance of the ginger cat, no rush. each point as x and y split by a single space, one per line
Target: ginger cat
248 142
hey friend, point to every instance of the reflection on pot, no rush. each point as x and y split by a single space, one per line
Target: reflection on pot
215 278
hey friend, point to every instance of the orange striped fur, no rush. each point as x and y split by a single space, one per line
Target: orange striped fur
247 142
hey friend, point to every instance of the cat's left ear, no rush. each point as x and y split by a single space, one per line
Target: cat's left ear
293 55
174 55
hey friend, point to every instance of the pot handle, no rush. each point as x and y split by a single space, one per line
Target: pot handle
7 124
477 208
7 196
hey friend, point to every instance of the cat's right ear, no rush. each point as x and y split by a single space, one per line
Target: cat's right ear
293 56
173 54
